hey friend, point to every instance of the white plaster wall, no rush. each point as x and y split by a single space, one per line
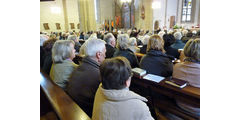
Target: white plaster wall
47 17
147 23
159 14
106 10
72 13
171 11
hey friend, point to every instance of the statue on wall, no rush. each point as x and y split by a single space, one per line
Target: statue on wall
126 15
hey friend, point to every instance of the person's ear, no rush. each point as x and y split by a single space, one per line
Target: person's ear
128 82
98 54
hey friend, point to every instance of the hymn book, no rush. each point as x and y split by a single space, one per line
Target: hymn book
138 72
177 83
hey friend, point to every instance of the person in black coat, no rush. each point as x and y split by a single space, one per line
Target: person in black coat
110 45
47 58
122 50
75 39
156 61
82 35
168 41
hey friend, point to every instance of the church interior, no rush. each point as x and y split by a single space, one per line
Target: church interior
119 59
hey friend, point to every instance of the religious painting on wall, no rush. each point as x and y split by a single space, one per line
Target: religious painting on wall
118 21
58 26
72 26
78 26
46 27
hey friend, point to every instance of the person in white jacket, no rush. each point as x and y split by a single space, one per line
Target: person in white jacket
113 99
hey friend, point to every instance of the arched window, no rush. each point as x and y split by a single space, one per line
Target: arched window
186 10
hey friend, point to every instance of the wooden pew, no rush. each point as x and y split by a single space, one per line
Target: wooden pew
139 56
189 94
63 105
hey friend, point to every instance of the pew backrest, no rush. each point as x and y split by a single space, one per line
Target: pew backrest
62 104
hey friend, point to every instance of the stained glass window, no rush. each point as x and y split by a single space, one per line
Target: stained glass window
186 10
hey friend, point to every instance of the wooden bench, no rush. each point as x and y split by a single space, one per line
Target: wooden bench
63 105
188 94
139 56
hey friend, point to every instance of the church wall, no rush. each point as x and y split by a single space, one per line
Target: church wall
46 16
107 11
72 14
171 11
147 23
159 14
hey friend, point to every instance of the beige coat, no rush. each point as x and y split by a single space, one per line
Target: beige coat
188 71
61 72
119 105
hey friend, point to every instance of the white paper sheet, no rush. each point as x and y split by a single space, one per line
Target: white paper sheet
154 78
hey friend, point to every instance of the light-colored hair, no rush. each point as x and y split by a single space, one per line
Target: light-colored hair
72 37
122 41
184 32
62 50
194 32
177 35
93 36
161 33
156 43
145 39
119 32
132 41
93 46
169 32
108 38
192 50
53 36
82 50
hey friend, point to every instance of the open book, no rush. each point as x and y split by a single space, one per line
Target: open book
154 78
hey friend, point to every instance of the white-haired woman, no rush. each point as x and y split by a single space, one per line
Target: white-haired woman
133 45
143 49
63 53
178 43
123 50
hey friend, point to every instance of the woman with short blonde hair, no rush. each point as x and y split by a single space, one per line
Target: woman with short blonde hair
156 43
156 61
63 53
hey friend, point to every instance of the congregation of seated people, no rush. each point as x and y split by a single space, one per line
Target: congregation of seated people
99 82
